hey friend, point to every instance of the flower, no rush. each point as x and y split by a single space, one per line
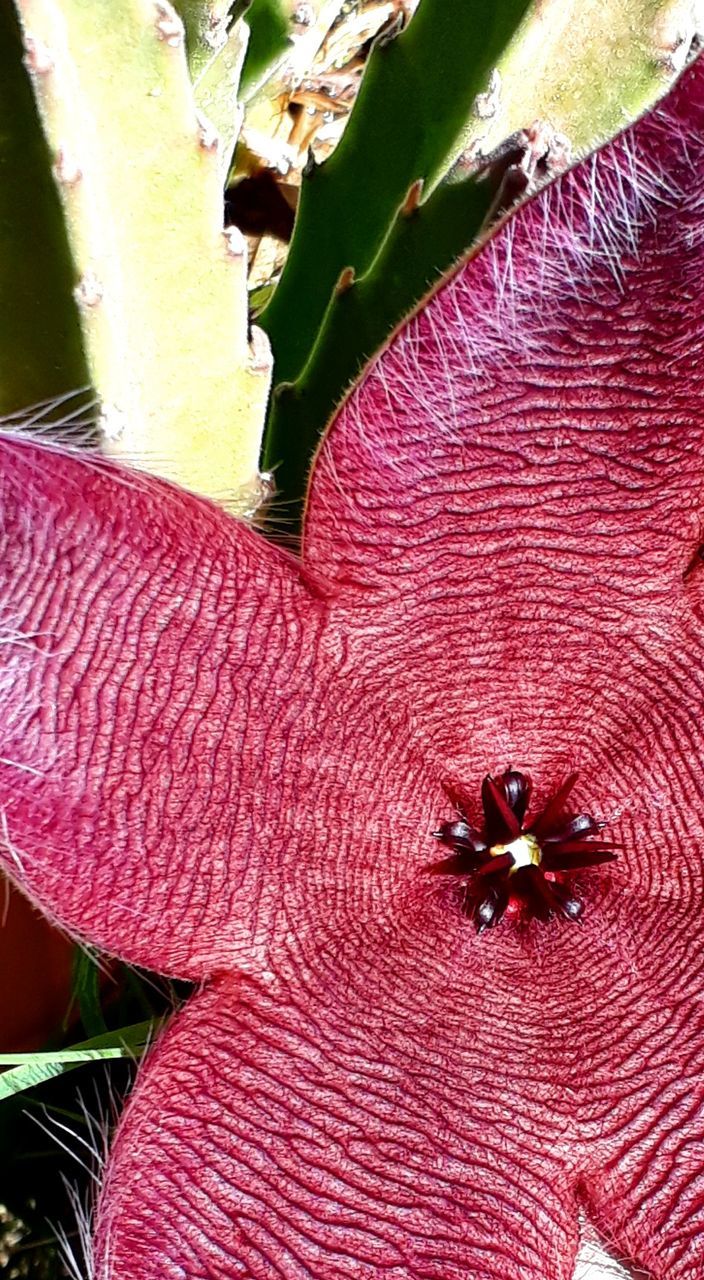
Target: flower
512 862
227 765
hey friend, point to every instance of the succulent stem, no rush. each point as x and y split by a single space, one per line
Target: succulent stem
161 287
41 354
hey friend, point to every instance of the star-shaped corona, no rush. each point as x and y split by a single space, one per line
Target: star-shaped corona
508 861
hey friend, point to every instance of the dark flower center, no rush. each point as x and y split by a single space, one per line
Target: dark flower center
507 861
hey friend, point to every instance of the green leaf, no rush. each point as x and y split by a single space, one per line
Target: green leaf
420 249
30 1069
606 63
269 32
41 353
415 97
85 990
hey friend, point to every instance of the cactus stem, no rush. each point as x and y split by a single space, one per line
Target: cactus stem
162 300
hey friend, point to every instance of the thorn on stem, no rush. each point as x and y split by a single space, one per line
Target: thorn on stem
111 422
38 58
169 26
394 29
67 171
303 15
215 35
486 105
413 198
235 243
208 136
345 281
89 290
260 357
283 389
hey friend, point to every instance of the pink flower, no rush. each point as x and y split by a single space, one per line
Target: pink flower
227 765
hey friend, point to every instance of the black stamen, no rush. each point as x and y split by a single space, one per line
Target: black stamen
555 842
502 825
489 909
582 825
516 788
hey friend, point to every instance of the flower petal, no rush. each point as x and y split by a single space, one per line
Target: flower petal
157 660
570 858
274 1135
375 1112
506 508
642 1116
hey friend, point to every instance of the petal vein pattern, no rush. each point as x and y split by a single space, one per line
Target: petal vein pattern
229 765
157 659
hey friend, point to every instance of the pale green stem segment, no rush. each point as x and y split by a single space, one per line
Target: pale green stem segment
216 89
205 23
162 289
586 68
216 48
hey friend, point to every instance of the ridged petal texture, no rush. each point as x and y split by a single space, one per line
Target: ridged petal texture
225 764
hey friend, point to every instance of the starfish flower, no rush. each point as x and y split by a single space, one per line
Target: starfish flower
227 764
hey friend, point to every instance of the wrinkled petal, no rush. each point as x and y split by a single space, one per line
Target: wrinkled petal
529 451
642 1115
181 780
158 667
285 1134
428 1113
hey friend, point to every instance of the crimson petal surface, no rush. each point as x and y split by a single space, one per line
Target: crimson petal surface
365 1086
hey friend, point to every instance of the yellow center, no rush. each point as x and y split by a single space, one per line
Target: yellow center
524 850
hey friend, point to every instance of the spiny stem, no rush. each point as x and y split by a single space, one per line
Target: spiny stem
161 287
